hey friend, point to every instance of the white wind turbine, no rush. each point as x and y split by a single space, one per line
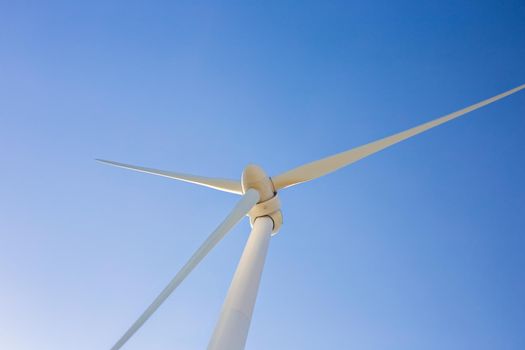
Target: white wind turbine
259 201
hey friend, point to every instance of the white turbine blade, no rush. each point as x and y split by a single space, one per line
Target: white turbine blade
218 184
248 200
327 165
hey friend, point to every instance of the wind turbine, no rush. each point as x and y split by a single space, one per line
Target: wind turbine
260 202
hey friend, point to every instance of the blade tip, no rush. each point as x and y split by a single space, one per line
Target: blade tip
104 161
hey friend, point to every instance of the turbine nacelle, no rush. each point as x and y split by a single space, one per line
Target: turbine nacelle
254 177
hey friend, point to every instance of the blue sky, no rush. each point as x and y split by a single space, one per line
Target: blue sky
418 247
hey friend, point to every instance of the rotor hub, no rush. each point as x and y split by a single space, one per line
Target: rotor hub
269 204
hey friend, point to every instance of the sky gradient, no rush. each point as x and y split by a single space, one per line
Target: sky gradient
417 247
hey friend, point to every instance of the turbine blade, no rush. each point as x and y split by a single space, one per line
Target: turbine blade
248 200
330 164
218 184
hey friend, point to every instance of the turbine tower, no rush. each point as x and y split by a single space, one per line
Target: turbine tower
260 202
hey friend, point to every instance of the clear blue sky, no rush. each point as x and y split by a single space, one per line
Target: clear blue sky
418 247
